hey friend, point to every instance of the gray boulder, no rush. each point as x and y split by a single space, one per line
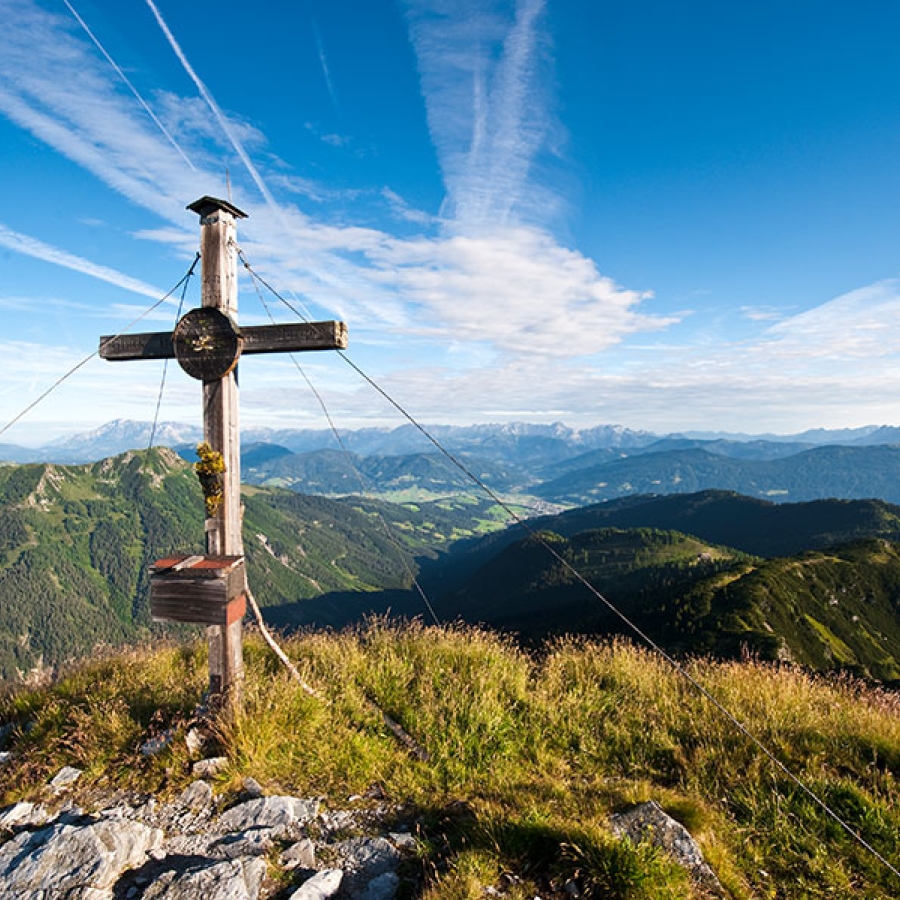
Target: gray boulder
320 886
649 823
64 779
73 860
382 887
137 849
280 814
233 879
23 814
300 855
371 865
369 856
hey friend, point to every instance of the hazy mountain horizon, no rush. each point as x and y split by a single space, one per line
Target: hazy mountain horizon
120 435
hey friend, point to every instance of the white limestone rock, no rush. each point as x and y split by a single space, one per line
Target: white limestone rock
252 788
321 886
369 856
65 858
64 779
301 855
648 822
24 815
281 814
196 797
194 740
207 768
233 879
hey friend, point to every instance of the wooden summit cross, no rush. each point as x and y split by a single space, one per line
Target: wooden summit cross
207 343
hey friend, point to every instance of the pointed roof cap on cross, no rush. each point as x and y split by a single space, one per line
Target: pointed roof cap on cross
206 205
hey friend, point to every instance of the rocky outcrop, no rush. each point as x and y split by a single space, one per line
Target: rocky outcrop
648 822
202 846
192 847
73 858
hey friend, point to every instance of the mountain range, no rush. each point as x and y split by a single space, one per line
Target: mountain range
825 609
702 568
543 467
512 442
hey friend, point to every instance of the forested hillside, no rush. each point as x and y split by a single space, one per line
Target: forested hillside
836 609
751 525
333 472
76 543
525 589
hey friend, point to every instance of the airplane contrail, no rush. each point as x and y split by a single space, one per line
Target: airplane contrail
220 116
131 87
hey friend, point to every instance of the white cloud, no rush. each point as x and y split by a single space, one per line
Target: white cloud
517 289
860 324
165 132
224 122
53 85
402 210
761 313
330 138
512 323
326 72
317 191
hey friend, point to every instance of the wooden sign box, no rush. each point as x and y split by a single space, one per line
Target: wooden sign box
203 590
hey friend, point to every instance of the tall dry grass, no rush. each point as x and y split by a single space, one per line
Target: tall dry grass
528 755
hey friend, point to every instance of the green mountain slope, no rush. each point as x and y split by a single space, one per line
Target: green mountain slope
74 546
526 590
76 543
837 609
759 527
829 610
755 526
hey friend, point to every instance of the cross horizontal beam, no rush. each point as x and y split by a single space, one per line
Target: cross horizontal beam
299 336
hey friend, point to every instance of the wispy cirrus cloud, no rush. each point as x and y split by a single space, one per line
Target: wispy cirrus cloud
22 243
484 289
484 74
401 209
221 118
857 325
495 272
730 388
54 85
326 71
363 273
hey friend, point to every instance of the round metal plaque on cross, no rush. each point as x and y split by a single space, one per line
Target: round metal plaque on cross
207 343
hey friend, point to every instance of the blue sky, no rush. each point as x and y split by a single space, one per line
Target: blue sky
671 216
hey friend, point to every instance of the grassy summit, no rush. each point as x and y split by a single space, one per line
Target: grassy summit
529 754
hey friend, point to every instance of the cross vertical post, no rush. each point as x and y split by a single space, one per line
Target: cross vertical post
221 430
207 342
